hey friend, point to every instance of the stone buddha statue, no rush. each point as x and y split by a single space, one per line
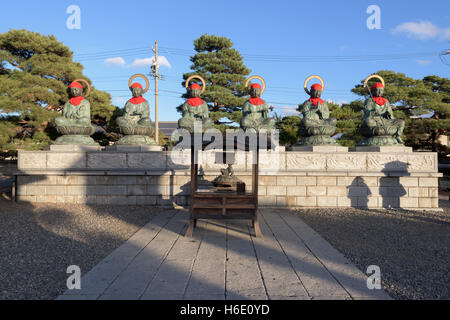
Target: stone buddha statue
255 111
135 123
379 125
75 122
316 127
195 111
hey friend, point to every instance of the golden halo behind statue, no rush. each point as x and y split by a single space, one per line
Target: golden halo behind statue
373 76
196 77
88 86
260 79
305 85
139 76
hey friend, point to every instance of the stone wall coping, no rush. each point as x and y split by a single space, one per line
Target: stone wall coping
271 163
212 173
212 150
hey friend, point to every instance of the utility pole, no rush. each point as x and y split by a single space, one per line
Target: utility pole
155 74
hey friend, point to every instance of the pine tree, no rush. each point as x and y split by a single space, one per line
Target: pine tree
288 127
225 74
35 71
349 119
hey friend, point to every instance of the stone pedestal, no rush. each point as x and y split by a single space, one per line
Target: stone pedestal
133 148
384 149
74 147
136 140
127 175
329 148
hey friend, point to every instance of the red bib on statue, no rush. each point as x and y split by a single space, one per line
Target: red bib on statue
76 100
316 101
195 102
380 101
256 101
137 100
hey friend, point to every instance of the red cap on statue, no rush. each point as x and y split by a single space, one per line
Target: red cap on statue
76 85
376 85
316 86
195 86
137 85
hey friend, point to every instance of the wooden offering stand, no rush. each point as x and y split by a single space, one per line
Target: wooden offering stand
212 204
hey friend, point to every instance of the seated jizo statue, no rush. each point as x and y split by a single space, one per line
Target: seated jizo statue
255 111
75 122
316 127
379 126
135 123
195 111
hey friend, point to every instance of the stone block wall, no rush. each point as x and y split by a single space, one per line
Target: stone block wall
295 179
343 191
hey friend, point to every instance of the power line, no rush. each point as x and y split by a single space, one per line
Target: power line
315 58
261 57
110 51
94 58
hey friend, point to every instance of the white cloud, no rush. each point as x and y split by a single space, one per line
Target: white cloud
423 62
117 61
162 60
422 30
339 102
119 101
287 110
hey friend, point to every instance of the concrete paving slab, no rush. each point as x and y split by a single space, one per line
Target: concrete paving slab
174 273
278 274
133 281
208 273
243 274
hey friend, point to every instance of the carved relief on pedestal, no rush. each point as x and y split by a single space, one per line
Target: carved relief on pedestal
386 162
302 161
422 162
269 160
147 160
347 162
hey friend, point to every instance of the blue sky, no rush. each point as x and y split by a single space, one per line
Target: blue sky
273 36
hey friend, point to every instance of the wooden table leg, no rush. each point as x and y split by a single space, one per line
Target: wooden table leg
190 228
255 223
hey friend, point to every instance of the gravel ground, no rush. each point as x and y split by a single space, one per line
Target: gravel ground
39 242
411 248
